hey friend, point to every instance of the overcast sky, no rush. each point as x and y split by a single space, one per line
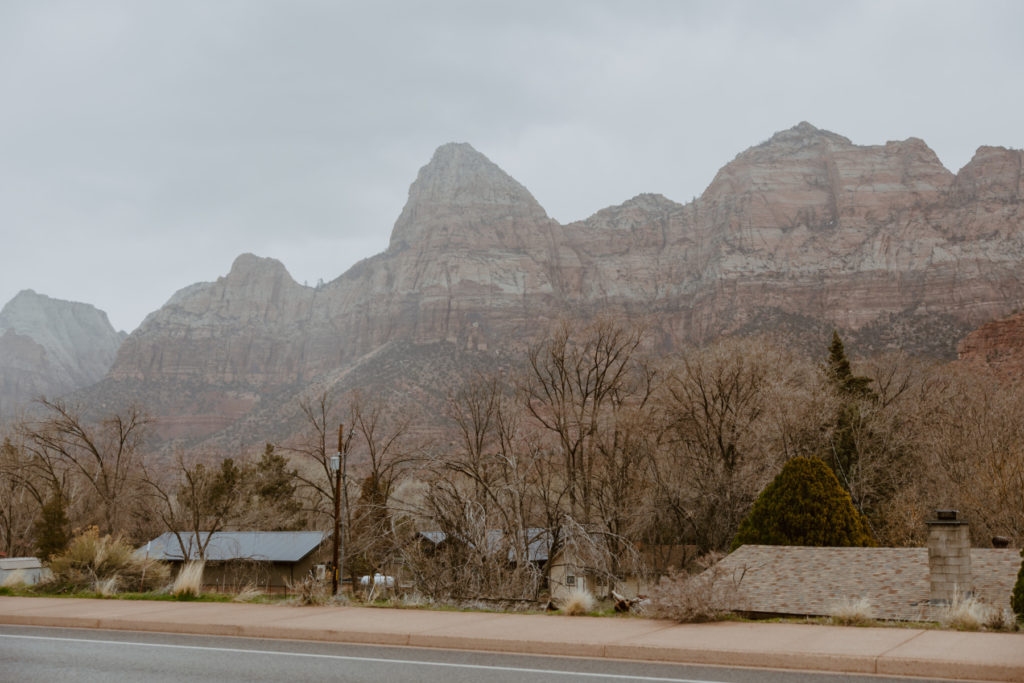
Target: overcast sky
145 144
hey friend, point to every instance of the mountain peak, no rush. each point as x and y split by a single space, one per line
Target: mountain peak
803 134
460 180
247 266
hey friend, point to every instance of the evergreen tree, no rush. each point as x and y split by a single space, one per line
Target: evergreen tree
51 528
841 375
273 488
804 505
851 433
1017 598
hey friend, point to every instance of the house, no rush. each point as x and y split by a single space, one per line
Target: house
906 584
27 570
270 560
564 570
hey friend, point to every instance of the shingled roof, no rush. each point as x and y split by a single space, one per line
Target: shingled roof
806 581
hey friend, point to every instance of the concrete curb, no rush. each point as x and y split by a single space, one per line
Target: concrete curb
886 651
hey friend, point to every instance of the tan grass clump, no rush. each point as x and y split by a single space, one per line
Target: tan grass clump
578 602
92 560
189 581
15 580
106 587
965 613
248 593
852 612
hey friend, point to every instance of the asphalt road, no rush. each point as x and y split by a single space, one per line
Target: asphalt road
52 654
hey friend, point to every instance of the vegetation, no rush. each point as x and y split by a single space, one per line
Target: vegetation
104 564
600 451
708 594
1017 599
578 602
804 505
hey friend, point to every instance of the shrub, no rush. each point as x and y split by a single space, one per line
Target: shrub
92 562
310 591
189 581
852 612
577 602
804 505
711 595
1017 598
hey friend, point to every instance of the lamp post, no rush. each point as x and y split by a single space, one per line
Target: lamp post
337 466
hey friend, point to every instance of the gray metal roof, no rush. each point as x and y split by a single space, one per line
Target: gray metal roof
264 546
537 543
12 563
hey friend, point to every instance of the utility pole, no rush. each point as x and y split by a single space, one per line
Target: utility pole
339 551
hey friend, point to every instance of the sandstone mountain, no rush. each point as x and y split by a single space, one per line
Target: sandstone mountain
50 347
800 234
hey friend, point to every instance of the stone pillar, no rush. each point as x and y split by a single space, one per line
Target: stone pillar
949 556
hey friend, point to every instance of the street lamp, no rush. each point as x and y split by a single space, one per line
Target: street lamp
337 466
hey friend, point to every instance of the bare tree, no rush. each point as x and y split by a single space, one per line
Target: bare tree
102 458
23 493
195 501
726 438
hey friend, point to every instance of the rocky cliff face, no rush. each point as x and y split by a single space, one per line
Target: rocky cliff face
997 346
800 234
50 347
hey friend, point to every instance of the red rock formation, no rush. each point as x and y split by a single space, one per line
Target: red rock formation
997 345
804 232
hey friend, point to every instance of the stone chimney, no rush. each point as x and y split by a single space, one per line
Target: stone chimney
949 556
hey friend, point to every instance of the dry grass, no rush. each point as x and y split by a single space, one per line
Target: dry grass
15 580
106 587
189 581
578 602
711 595
967 613
852 612
247 593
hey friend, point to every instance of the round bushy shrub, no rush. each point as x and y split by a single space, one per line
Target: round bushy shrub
804 505
104 564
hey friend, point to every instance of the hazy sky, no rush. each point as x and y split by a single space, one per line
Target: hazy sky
145 144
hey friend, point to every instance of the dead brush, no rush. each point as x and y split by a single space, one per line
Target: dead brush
711 595
309 591
852 612
189 581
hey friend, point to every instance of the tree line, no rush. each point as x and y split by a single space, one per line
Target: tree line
597 447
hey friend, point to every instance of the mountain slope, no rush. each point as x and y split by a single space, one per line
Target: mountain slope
50 347
795 236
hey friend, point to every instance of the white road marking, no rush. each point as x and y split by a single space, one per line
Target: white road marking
515 669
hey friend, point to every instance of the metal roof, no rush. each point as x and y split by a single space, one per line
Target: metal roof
12 563
537 544
264 546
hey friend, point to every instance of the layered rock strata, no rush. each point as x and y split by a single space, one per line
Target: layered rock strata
802 233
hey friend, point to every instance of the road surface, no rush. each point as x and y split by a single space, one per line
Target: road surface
81 655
